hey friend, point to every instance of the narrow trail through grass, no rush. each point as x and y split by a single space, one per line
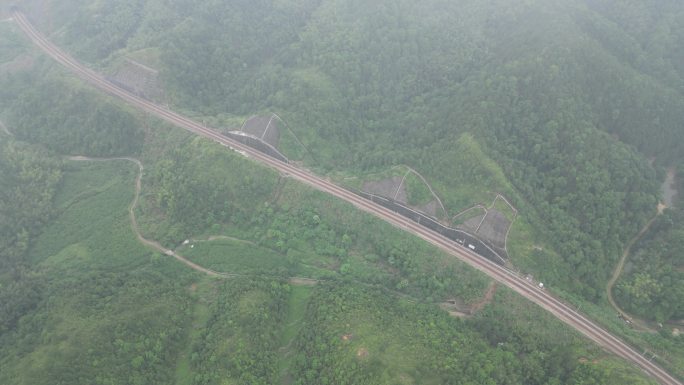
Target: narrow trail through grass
434 194
638 323
294 281
4 129
201 314
296 309
134 223
303 281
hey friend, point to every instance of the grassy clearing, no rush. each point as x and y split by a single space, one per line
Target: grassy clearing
418 193
292 147
233 256
241 336
85 179
296 306
378 253
294 320
472 176
93 228
473 212
366 335
112 310
503 207
243 257
357 181
526 250
366 268
202 295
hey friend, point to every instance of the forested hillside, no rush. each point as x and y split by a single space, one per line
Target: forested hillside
107 130
570 99
29 180
653 285
572 110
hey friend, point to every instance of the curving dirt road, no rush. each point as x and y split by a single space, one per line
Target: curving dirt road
134 223
517 283
297 281
618 271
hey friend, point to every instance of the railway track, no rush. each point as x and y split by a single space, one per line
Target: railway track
518 284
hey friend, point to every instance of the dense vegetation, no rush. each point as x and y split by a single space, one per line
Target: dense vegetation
28 182
91 306
558 94
105 129
356 336
653 287
560 106
294 230
224 189
116 313
241 336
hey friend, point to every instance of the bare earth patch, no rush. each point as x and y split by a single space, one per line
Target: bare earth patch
494 228
298 281
487 299
263 127
430 208
395 188
585 360
458 309
473 223
390 188
453 311
139 79
661 207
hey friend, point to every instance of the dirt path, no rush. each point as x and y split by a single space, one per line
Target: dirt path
486 299
134 223
446 215
401 184
668 192
4 129
300 281
669 187
515 216
638 323
544 299
296 138
212 238
297 281
456 308
410 170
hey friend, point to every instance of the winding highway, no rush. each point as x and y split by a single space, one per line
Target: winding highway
542 298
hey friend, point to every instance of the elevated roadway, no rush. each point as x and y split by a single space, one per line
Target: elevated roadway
563 312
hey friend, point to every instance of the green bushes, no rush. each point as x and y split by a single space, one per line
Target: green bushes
653 285
74 120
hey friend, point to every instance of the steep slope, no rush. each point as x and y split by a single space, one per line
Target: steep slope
559 94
